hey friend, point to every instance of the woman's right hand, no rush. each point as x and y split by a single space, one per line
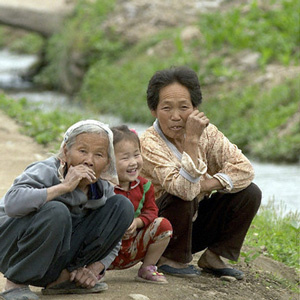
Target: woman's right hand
76 174
84 277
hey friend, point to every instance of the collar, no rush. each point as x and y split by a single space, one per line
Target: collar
132 185
172 147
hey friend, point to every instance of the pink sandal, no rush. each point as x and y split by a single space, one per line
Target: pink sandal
149 274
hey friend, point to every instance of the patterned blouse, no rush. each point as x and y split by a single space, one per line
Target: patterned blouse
174 172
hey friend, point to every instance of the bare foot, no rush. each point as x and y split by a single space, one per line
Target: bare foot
9 285
64 276
211 260
171 263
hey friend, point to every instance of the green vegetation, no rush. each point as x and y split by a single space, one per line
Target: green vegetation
256 120
46 128
20 41
113 73
81 40
275 232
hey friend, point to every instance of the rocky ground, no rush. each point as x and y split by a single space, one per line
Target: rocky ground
265 279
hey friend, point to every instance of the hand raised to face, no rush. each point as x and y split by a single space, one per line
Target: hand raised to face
76 174
196 123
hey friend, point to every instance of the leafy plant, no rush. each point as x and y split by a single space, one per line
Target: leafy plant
277 231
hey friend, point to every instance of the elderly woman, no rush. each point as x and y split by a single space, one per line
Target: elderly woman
61 223
203 182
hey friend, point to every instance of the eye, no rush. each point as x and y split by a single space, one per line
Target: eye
99 154
82 150
166 108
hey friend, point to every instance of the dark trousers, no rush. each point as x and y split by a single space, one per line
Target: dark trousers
221 226
35 249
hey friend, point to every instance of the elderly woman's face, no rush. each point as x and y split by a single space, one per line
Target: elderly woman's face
173 109
91 150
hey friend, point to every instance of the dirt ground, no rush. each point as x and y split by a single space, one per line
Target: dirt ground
265 279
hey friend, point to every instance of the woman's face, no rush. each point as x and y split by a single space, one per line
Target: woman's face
173 109
91 150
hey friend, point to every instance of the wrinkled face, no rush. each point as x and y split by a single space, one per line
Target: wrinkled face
91 150
173 109
129 162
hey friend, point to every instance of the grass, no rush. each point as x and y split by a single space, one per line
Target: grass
47 128
276 233
112 75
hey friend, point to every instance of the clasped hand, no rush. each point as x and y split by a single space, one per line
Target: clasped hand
196 123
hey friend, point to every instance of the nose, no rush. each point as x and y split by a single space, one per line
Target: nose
132 161
88 161
175 115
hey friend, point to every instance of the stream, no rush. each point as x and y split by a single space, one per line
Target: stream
279 182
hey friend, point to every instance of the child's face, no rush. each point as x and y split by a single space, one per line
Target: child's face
129 162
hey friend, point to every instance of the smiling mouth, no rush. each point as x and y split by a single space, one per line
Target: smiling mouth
132 171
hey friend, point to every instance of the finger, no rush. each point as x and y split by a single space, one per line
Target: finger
73 275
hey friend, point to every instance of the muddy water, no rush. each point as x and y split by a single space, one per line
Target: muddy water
279 183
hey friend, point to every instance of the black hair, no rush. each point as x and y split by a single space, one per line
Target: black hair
183 75
122 132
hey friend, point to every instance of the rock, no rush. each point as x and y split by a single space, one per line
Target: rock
228 278
190 33
138 297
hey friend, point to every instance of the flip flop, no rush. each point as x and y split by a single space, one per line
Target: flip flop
225 272
189 271
23 293
70 287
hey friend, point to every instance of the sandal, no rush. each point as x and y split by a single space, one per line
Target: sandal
70 287
189 271
23 293
149 274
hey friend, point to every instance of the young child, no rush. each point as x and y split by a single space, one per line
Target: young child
148 236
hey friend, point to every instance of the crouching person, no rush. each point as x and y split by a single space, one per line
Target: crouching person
61 223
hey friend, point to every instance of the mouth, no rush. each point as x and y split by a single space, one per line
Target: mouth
132 171
176 128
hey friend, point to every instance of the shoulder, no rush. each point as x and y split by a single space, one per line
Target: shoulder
150 140
49 163
47 167
143 180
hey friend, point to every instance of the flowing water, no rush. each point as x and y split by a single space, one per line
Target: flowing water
279 182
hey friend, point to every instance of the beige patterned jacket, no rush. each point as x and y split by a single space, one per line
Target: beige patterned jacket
174 172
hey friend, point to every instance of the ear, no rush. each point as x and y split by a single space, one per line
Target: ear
153 113
65 151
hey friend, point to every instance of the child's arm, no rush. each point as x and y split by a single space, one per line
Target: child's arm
149 211
136 224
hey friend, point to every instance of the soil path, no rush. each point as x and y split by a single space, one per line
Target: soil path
265 278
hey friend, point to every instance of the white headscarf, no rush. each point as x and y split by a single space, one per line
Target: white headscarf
111 173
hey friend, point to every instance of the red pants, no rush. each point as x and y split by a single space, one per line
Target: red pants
134 249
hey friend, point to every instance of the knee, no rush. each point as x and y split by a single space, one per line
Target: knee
124 207
255 193
252 197
164 225
56 216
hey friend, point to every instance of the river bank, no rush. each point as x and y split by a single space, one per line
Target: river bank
279 182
